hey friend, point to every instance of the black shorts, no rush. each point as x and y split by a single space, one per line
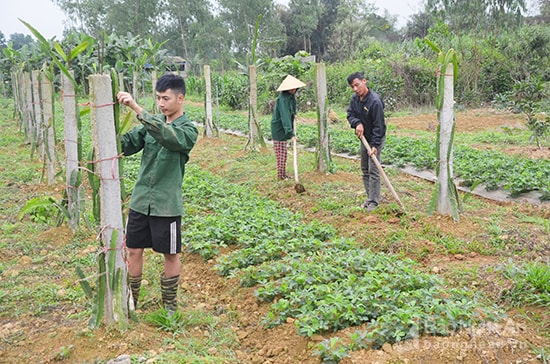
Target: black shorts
162 234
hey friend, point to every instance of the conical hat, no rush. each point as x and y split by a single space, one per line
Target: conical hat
290 83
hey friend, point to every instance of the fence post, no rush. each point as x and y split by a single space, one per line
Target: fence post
208 124
48 120
323 150
106 160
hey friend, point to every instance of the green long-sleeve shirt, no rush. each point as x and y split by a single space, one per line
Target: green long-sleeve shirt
282 121
166 148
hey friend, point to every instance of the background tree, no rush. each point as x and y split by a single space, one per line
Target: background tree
418 26
239 17
477 15
19 40
325 24
192 31
544 7
95 17
304 20
139 16
87 16
351 31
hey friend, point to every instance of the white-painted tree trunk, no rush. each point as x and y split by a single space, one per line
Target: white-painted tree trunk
208 124
106 160
323 149
446 125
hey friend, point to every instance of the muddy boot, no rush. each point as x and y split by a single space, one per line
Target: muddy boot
169 290
135 286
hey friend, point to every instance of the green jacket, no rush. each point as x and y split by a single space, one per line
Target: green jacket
282 121
166 147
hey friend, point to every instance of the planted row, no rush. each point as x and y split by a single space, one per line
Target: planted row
494 170
308 273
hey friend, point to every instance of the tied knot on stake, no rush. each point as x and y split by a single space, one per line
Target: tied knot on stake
105 249
113 160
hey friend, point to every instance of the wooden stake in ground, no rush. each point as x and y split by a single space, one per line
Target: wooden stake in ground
297 186
381 170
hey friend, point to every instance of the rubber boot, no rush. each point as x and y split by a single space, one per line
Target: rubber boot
135 286
169 290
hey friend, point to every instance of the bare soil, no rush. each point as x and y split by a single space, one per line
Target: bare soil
38 339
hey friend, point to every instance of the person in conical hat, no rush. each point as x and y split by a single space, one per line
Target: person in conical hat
290 83
282 122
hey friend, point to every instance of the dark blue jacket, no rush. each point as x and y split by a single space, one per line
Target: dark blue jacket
369 112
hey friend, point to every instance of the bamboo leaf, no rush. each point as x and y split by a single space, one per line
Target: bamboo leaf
37 34
78 49
60 51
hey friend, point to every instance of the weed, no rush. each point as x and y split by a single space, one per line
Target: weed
531 283
332 351
165 321
542 354
64 353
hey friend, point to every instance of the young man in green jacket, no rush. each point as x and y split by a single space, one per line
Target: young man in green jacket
156 205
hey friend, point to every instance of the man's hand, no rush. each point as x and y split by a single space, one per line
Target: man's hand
359 130
126 99
373 151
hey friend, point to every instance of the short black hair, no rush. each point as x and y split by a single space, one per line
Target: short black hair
354 75
171 81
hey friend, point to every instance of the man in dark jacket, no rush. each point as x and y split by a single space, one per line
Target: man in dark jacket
366 116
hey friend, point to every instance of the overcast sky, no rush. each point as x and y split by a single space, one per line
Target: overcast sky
48 19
